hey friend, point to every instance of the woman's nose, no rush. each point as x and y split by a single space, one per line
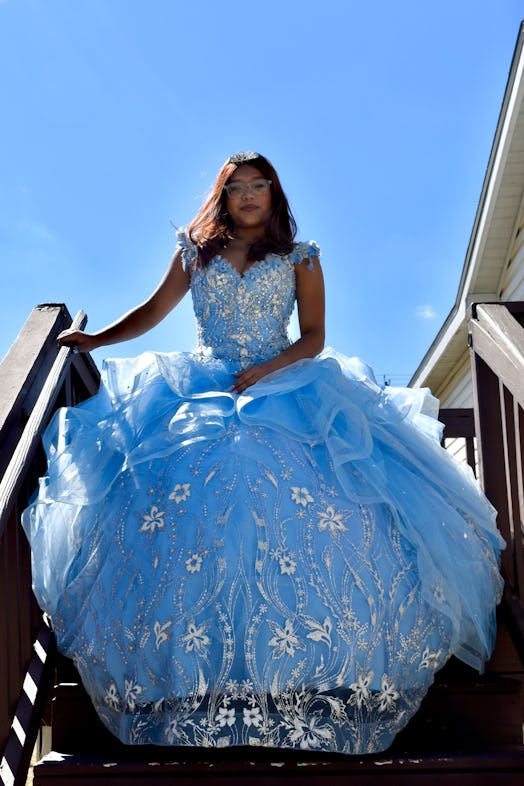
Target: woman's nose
248 191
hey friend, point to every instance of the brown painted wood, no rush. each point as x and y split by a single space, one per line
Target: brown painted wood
493 767
488 427
42 384
511 417
458 422
497 343
85 378
29 707
512 604
7 688
462 711
497 356
12 479
518 495
498 339
24 369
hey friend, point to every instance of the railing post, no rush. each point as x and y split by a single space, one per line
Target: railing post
490 445
460 423
35 376
497 363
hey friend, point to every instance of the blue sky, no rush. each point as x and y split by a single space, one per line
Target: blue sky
117 114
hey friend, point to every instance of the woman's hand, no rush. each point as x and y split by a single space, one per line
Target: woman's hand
77 340
250 375
139 320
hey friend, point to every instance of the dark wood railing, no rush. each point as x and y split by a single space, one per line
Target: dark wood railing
460 424
35 379
497 360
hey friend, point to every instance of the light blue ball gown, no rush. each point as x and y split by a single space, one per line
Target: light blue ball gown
287 567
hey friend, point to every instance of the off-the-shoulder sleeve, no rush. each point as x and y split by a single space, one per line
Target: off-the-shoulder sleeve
189 250
303 251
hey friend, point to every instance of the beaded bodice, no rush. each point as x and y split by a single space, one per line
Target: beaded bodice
244 318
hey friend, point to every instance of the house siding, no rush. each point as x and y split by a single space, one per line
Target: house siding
512 286
457 393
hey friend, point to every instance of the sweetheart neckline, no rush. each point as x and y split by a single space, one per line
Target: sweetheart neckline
240 274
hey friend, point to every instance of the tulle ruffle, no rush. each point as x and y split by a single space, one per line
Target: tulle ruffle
382 443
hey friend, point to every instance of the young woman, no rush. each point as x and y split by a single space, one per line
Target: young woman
252 543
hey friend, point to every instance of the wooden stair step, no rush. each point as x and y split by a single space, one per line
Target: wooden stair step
453 716
503 766
468 732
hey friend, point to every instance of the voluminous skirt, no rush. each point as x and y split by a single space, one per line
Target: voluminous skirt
288 567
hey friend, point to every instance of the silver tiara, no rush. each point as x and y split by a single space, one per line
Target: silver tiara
243 158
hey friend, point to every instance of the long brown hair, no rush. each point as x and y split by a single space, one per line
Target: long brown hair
212 227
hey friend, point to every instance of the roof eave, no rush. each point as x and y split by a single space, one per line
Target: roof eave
454 325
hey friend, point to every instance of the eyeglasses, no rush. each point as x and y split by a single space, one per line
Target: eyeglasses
237 190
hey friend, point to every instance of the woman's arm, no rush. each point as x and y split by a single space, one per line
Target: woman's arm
166 296
311 315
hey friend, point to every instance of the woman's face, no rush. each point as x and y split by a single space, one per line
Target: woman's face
249 209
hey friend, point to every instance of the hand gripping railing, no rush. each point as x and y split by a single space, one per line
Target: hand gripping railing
13 477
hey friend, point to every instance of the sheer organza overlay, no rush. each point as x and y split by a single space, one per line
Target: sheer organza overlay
287 567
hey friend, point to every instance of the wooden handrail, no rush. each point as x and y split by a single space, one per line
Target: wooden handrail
37 377
460 422
498 339
497 361
24 451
